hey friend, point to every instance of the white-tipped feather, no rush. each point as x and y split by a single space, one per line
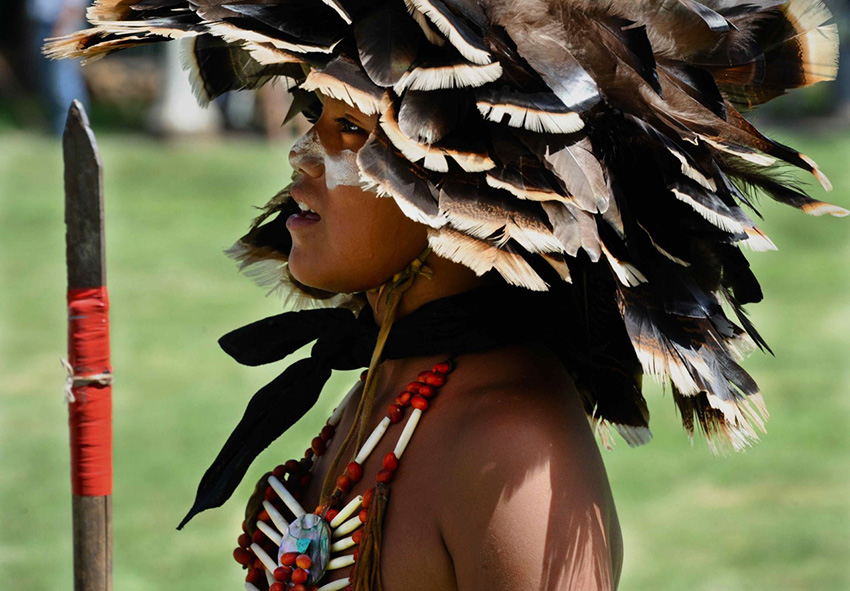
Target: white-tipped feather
482 257
725 223
431 35
335 88
526 193
741 152
339 9
532 119
189 63
447 28
560 265
233 34
691 172
626 273
442 77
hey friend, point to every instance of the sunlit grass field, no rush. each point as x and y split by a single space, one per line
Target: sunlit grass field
774 518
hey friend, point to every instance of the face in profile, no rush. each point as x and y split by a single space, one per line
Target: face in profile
345 239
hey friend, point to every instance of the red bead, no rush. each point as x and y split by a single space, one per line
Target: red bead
363 375
413 387
298 588
263 515
318 446
258 564
350 587
432 379
282 573
329 516
257 537
328 432
288 558
255 575
243 556
245 526
357 536
279 471
363 515
367 498
270 494
343 483
356 554
244 540
384 476
303 561
395 413
299 575
308 453
292 466
354 471
444 368
277 587
403 399
390 462
427 391
305 480
419 402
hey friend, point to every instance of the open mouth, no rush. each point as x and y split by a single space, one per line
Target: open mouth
305 217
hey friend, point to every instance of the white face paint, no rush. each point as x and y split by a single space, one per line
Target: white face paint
341 170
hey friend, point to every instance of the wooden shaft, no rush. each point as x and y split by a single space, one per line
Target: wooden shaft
92 519
92 515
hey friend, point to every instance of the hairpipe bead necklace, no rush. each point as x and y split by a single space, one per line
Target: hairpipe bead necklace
314 544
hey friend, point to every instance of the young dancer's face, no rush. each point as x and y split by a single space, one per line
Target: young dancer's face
351 240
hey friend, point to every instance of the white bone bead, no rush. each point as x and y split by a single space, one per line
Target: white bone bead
336 417
250 587
336 585
372 441
347 527
343 544
287 498
270 532
347 511
269 577
409 427
264 558
278 520
341 562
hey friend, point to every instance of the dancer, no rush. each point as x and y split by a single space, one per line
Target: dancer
508 212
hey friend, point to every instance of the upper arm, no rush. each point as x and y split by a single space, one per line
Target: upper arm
530 505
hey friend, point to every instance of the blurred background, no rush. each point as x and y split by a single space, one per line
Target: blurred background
181 185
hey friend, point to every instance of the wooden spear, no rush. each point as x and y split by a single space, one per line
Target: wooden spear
89 389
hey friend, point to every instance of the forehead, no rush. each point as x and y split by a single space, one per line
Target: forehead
336 107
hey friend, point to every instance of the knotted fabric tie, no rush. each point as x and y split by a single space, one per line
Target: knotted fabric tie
477 320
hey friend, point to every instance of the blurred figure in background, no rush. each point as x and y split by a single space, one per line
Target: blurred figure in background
59 81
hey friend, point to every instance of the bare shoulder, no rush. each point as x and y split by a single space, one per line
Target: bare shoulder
527 497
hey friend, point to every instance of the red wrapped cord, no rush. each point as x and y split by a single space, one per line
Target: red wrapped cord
90 406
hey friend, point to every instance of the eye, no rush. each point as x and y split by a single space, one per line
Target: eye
348 126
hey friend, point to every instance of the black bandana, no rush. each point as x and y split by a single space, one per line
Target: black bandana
478 320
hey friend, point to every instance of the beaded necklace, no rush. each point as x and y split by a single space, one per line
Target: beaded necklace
312 544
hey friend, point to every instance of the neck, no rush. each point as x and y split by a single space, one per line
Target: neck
449 278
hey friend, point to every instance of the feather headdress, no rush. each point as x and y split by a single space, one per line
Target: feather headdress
598 143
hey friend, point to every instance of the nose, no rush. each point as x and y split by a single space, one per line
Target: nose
307 155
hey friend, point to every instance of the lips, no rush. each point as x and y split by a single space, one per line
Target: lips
306 217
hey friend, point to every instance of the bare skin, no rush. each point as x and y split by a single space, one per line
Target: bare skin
502 486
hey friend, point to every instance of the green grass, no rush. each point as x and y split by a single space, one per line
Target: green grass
773 518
